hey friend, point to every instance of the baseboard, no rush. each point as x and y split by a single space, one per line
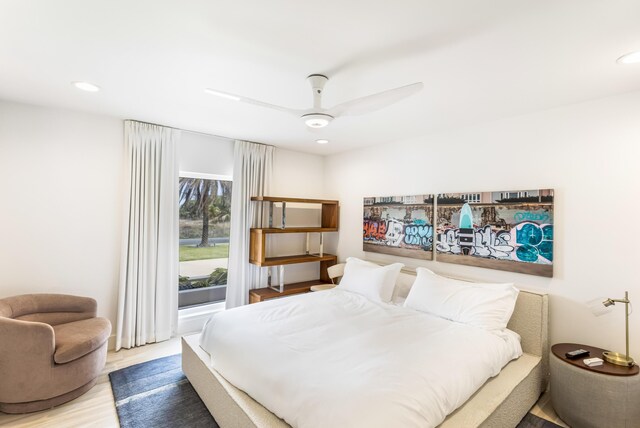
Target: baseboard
190 320
111 343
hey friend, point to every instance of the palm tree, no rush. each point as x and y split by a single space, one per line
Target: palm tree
210 199
220 208
198 191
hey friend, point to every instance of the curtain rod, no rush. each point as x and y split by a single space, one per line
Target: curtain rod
198 132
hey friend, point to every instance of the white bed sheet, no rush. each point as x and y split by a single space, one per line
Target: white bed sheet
337 359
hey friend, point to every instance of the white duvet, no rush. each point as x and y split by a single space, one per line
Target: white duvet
337 359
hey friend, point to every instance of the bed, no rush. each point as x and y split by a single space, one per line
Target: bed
501 402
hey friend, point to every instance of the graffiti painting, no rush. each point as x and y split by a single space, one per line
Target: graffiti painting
399 225
509 230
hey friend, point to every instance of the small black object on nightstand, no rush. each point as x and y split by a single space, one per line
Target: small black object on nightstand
574 355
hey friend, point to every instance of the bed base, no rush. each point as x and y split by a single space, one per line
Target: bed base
501 402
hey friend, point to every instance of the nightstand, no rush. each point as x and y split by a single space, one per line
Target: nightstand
601 396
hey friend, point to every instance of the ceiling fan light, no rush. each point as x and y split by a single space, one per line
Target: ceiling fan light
317 120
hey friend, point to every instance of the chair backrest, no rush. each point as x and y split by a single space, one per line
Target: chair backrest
335 271
51 309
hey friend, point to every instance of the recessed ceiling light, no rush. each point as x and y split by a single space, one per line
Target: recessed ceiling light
86 86
322 141
221 94
630 58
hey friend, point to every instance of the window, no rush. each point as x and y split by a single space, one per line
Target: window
471 197
513 195
409 199
205 215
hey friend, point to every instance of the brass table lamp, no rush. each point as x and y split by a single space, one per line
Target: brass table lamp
616 357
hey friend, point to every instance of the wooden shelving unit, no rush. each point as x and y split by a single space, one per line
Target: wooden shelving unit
262 294
329 216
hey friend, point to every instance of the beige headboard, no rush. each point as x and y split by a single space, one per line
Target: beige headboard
530 320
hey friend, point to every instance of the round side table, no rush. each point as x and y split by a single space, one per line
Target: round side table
597 397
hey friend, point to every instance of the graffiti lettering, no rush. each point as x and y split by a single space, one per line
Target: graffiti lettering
531 216
535 242
418 235
394 233
374 230
448 242
527 242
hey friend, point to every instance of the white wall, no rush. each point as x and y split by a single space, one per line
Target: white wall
205 154
589 153
60 215
298 175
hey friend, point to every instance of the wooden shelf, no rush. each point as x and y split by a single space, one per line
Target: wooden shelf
262 294
298 258
295 200
329 219
293 229
329 212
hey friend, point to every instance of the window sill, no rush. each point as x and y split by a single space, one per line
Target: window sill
191 320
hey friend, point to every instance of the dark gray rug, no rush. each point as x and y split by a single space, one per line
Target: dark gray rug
157 394
532 421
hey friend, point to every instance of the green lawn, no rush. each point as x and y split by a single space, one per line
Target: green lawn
188 253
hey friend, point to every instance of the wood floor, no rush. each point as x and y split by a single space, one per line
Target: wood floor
96 408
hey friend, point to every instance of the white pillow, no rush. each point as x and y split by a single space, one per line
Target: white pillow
488 306
369 279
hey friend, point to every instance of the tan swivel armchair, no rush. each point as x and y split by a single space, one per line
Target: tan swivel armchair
52 349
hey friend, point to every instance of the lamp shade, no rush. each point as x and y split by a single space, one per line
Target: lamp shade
597 306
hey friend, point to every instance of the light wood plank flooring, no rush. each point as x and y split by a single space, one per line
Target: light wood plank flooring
96 408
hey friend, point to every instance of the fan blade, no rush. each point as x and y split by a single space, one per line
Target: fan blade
246 100
374 102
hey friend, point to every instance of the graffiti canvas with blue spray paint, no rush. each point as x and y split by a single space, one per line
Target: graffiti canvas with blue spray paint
509 230
399 225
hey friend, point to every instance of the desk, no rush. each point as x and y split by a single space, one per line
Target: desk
593 397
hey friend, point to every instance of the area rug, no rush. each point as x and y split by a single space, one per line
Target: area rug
157 394
532 421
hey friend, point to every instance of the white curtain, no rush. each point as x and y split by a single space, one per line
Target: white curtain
252 169
148 289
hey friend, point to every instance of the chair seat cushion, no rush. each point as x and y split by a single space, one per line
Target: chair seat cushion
78 338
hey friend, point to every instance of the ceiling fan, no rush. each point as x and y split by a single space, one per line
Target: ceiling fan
317 116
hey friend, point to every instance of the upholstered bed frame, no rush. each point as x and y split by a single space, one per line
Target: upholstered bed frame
502 401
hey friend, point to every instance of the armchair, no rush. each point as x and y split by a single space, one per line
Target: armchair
52 349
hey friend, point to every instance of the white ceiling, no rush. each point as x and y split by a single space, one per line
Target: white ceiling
479 61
